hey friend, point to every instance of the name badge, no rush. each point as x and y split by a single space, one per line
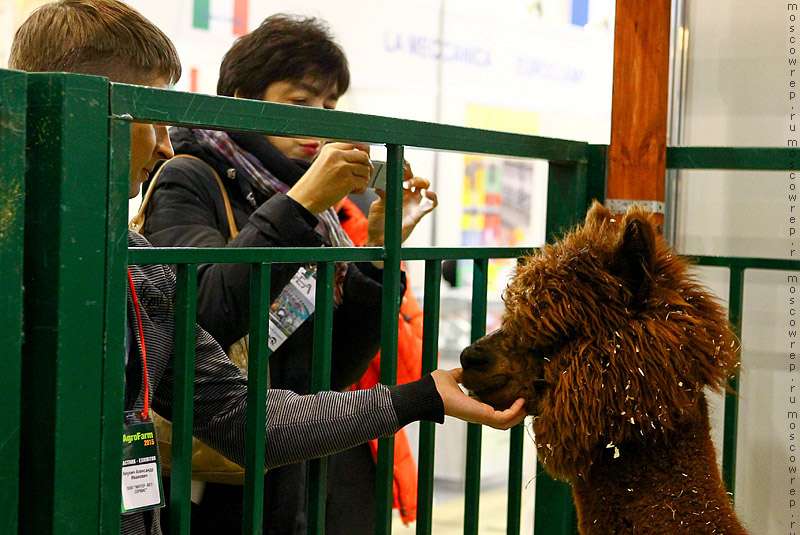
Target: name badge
141 465
294 305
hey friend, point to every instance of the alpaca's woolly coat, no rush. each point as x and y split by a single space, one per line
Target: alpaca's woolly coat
612 341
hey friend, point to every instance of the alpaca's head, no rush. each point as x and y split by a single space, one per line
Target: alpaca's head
609 338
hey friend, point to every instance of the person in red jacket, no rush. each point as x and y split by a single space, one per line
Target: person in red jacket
409 366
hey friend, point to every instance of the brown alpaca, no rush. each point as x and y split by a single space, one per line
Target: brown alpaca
611 341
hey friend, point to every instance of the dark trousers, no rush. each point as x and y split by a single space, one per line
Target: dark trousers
350 505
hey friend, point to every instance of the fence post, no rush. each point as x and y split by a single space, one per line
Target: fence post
13 100
257 381
731 425
64 304
430 361
566 196
472 476
567 200
390 308
320 381
115 309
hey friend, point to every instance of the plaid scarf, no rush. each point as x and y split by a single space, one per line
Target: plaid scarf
261 179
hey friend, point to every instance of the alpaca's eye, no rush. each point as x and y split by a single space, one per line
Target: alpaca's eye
540 385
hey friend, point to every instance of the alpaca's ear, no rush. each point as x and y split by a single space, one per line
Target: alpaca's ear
597 213
633 258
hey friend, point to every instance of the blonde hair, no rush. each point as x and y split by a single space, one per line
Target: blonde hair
100 37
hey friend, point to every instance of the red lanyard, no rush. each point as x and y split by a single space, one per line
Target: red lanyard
144 353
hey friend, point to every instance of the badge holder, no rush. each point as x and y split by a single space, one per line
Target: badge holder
141 465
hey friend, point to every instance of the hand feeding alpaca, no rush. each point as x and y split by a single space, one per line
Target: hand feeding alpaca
611 341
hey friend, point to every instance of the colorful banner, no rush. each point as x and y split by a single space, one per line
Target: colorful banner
221 15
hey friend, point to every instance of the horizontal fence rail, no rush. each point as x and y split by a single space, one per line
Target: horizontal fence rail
732 158
144 104
246 255
75 258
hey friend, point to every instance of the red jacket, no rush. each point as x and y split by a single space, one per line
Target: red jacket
409 364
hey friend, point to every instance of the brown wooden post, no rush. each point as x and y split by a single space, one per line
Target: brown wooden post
637 154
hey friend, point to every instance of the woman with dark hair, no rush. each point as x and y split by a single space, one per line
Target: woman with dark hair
281 192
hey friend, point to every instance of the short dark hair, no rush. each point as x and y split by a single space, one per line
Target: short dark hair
101 37
283 47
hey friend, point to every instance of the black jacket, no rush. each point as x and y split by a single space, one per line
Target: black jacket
186 209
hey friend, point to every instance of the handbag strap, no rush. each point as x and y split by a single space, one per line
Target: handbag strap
137 221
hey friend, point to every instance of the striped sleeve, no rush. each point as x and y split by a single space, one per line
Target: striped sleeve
306 427
297 427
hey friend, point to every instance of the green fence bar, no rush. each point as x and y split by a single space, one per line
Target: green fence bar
320 380
567 200
13 101
247 255
566 197
204 111
257 382
745 263
731 426
430 361
744 158
513 509
64 269
596 171
472 490
183 399
554 510
390 309
116 290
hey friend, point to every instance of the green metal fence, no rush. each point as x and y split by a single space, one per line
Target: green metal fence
64 151
13 98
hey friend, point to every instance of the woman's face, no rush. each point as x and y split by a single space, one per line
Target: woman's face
310 91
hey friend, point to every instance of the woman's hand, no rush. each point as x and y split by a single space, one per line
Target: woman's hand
418 201
340 169
460 405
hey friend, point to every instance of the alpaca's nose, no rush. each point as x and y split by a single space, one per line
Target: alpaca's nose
473 357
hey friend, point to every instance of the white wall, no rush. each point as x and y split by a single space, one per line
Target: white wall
738 83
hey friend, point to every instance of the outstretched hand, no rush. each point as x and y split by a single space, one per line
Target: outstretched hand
418 201
460 405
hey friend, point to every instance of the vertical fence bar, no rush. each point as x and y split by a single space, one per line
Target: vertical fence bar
596 171
472 491
514 508
389 312
257 380
567 201
567 196
320 380
731 426
64 271
183 399
430 361
13 100
115 325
